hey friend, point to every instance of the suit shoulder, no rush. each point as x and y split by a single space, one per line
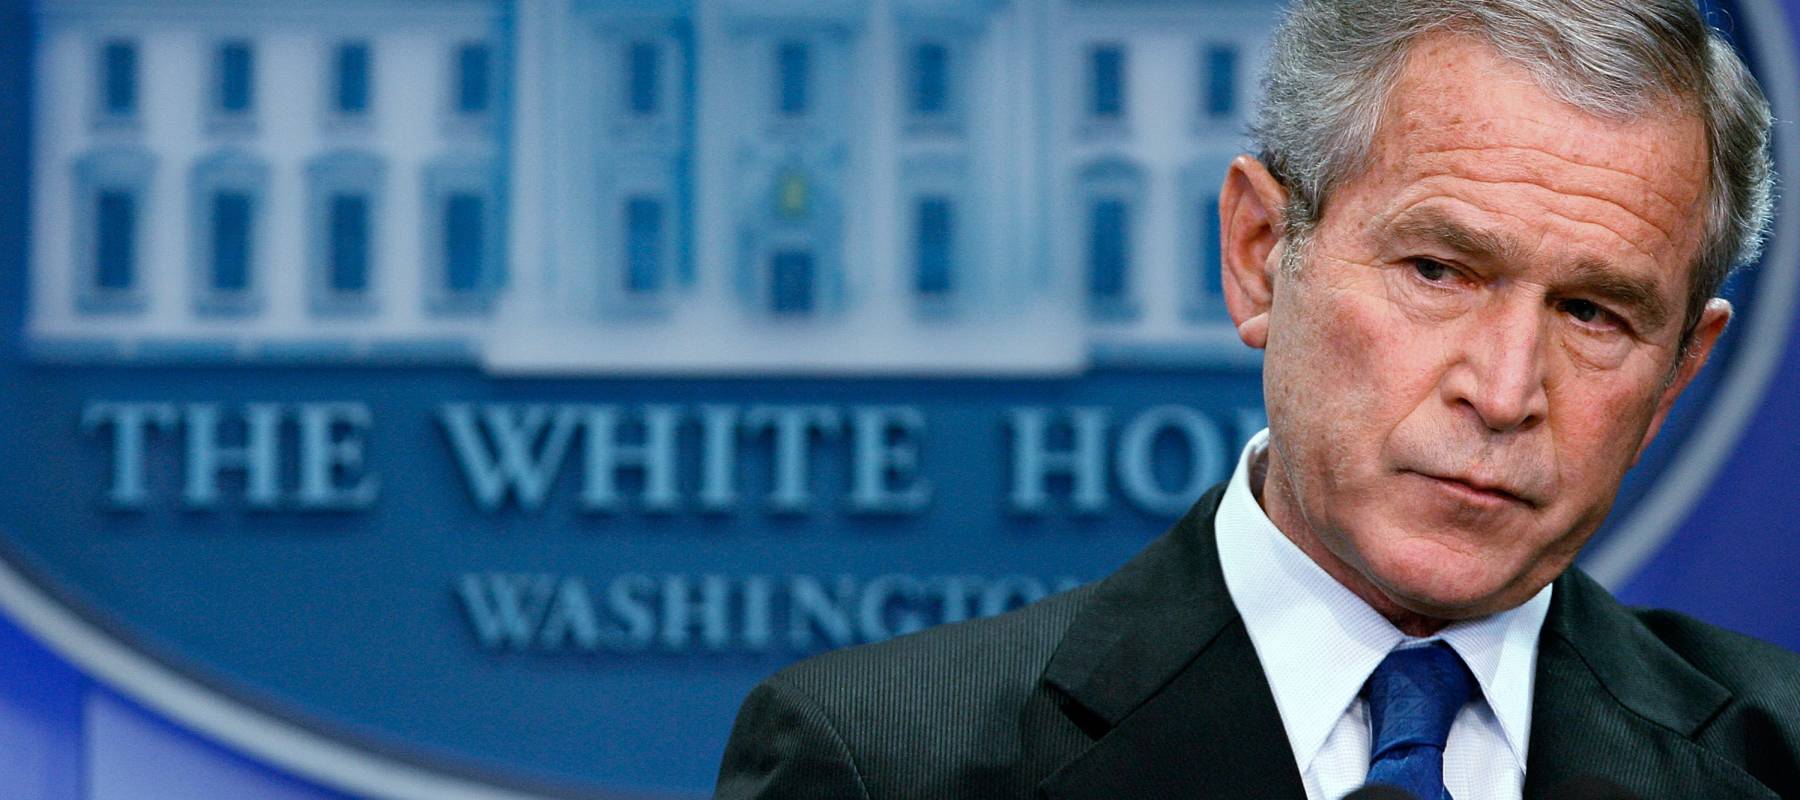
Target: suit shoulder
920 715
1010 648
1755 671
937 679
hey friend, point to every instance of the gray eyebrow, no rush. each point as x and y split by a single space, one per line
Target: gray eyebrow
1439 227
1640 298
1596 277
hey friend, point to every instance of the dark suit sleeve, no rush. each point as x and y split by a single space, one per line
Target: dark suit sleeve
783 746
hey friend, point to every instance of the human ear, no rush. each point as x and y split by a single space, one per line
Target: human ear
1250 207
1706 334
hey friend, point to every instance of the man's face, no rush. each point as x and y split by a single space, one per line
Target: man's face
1482 337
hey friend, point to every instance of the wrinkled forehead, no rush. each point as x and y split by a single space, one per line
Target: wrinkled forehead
1458 110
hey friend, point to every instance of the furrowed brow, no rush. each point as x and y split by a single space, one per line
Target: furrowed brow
1435 226
1639 298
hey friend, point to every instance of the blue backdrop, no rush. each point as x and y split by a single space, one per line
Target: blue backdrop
356 447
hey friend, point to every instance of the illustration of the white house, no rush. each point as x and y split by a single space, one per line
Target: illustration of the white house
637 186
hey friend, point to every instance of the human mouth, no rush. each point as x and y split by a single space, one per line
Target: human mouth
1477 492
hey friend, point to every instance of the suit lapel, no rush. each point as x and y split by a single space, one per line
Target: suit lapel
1159 670
1611 701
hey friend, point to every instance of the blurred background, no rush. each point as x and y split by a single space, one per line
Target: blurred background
475 398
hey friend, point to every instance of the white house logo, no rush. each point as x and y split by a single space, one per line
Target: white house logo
472 399
634 188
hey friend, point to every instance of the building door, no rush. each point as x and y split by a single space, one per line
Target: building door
791 282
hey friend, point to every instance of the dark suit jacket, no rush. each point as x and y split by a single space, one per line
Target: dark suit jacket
1145 685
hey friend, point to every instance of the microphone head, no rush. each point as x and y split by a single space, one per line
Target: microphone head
1591 787
1380 791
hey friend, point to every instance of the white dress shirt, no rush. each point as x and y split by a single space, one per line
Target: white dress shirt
1318 643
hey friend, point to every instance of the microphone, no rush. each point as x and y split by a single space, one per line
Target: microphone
1380 791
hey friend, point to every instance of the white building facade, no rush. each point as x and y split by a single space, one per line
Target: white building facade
638 186
265 180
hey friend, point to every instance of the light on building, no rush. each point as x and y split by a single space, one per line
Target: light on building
791 194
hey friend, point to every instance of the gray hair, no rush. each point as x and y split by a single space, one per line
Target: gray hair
1332 63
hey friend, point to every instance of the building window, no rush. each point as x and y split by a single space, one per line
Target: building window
1106 82
110 230
227 193
350 79
344 222
474 79
347 260
1111 196
463 245
464 237
230 246
931 79
793 68
643 245
934 235
115 241
643 70
118 79
791 282
237 79
1210 283
1109 251
1220 80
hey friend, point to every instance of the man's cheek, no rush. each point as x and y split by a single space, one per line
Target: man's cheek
1599 428
1367 351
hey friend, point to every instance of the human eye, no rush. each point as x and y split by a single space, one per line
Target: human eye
1433 271
1434 287
1592 316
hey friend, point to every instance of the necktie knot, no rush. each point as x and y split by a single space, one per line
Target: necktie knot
1414 696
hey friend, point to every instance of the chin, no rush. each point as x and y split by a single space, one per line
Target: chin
1436 603
1438 582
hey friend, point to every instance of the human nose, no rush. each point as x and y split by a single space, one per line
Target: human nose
1500 375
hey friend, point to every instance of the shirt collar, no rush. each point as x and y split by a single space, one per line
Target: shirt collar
1319 642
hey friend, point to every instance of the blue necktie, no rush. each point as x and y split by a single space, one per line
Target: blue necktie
1413 697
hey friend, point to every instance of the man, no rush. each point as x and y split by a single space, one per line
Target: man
1480 249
